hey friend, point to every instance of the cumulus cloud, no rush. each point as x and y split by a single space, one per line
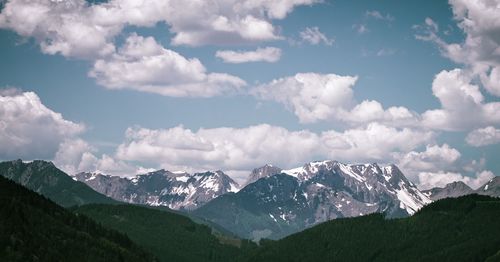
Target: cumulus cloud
441 165
435 158
375 142
75 28
143 64
311 96
314 97
246 148
227 22
462 103
77 155
69 28
480 51
28 129
267 54
483 136
313 36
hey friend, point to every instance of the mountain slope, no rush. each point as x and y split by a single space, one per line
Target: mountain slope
44 178
278 205
163 188
491 188
456 229
454 189
32 228
171 237
458 188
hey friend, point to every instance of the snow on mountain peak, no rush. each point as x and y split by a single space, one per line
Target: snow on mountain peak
177 190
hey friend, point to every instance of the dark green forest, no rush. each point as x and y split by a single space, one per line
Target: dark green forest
33 228
461 229
170 236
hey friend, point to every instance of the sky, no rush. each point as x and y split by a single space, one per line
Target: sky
124 87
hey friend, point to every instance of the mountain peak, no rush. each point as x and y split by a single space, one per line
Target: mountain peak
177 190
261 172
453 189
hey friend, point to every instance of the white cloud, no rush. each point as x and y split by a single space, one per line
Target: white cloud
228 22
30 130
480 51
267 54
435 158
375 142
463 105
313 36
483 136
314 97
429 180
77 155
378 16
65 27
441 165
311 96
75 28
144 65
245 148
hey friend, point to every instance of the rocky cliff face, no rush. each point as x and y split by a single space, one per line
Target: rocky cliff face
261 172
163 188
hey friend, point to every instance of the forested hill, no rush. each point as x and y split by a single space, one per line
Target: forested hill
45 178
33 228
461 229
170 236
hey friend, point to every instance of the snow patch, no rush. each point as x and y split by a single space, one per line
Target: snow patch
182 178
407 202
348 170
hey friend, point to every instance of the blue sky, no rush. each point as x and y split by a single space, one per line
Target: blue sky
308 104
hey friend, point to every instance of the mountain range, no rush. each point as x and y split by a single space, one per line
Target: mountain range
466 228
162 188
277 205
273 202
458 188
320 199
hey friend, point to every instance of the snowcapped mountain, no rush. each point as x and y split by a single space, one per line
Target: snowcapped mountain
454 189
277 205
369 184
163 188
